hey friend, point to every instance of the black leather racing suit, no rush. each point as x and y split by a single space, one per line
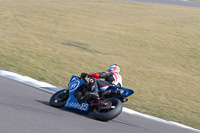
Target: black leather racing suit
111 79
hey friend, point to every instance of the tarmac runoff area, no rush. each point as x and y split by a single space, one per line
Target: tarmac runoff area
171 2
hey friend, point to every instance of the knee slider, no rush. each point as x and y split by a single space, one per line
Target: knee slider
92 80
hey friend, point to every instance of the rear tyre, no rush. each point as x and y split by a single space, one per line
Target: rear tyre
59 99
104 114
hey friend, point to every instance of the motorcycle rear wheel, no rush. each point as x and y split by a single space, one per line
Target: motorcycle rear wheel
105 114
59 99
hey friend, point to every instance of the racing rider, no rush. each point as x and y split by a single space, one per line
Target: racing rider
112 78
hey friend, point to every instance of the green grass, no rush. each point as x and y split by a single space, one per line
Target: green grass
157 47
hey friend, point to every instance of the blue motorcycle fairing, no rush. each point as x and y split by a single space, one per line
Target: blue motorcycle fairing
127 93
72 102
74 83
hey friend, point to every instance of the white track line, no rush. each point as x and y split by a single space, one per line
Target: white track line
44 87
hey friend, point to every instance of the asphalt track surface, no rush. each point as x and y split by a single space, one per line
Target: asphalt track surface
171 2
25 109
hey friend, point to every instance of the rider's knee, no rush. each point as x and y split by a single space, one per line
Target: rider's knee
92 80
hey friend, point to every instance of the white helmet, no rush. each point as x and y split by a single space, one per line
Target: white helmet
114 68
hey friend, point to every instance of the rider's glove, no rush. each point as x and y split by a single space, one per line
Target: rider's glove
84 75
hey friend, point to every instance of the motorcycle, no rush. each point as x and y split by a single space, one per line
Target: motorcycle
106 107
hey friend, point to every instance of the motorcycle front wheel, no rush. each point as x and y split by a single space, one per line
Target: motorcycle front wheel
104 113
59 99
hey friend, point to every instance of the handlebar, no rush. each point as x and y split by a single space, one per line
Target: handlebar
82 78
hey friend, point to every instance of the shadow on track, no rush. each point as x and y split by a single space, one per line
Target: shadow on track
78 112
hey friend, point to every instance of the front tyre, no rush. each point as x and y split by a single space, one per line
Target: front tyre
104 113
59 99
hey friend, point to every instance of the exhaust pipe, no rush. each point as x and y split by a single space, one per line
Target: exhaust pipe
116 91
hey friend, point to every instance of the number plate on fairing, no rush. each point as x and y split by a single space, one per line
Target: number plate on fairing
73 104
